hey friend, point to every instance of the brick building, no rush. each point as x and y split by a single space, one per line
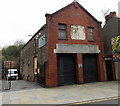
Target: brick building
68 49
110 30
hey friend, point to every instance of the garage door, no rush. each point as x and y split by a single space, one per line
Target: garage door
66 66
90 69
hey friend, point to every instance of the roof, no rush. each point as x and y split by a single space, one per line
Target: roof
62 9
112 20
73 3
34 35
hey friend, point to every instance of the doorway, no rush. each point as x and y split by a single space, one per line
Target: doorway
66 64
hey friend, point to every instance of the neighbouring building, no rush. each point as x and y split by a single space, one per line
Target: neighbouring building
7 65
111 30
68 49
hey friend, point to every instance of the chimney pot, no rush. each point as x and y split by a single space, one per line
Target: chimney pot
111 15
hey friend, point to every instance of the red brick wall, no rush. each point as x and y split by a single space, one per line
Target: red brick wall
68 17
79 73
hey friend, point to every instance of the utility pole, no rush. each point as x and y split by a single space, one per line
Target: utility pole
10 76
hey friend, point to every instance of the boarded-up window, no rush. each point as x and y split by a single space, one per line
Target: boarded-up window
91 34
42 41
77 32
62 31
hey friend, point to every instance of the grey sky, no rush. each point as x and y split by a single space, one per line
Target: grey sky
20 18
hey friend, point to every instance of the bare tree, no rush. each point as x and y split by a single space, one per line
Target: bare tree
105 12
19 42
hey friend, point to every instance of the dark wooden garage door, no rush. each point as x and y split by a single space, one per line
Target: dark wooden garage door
66 66
90 68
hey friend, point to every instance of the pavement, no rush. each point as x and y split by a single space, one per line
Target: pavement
63 94
17 85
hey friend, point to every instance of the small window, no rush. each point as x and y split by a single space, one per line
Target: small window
35 45
62 31
91 34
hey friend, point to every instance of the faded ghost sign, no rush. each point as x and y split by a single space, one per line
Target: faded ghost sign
77 32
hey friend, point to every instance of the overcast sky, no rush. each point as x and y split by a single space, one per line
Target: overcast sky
20 18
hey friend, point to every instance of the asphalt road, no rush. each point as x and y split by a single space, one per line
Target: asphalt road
112 100
17 85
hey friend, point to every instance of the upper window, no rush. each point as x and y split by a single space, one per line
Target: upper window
62 31
91 34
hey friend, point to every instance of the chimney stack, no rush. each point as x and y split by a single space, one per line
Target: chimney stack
111 15
75 1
